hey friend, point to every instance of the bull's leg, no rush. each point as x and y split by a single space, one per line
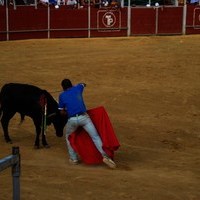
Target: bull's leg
38 122
44 142
5 122
37 139
38 131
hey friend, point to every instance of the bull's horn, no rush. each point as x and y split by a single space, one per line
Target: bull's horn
50 115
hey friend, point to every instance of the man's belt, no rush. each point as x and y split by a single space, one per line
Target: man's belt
78 114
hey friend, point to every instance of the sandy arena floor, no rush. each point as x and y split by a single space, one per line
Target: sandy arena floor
150 87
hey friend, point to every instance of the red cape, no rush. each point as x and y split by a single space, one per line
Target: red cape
83 144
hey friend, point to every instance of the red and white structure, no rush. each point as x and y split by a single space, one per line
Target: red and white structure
39 21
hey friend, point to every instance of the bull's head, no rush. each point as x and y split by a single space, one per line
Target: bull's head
58 121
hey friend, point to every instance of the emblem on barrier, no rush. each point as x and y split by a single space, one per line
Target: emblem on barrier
108 20
196 18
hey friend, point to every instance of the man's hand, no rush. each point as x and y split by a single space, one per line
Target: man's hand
63 112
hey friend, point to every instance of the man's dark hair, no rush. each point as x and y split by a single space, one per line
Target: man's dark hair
66 83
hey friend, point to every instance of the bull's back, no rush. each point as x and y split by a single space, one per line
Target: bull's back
25 98
19 96
19 91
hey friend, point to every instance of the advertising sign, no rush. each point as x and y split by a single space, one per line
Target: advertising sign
108 20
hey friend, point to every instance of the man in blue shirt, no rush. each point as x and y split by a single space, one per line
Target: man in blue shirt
71 103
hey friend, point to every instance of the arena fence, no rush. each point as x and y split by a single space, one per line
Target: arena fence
14 162
47 21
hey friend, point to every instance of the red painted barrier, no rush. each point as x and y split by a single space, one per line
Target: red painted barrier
27 22
143 21
193 20
170 20
65 22
156 20
2 23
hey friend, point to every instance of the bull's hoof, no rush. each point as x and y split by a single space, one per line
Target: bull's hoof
46 146
9 141
36 147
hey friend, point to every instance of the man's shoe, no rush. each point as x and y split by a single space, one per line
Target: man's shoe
109 162
73 162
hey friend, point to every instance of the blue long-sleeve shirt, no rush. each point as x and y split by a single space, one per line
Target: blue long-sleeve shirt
72 100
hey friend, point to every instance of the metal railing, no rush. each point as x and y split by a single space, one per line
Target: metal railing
14 162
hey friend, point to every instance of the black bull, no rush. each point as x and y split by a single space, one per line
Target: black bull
29 100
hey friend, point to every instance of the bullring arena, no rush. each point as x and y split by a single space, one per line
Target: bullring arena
150 88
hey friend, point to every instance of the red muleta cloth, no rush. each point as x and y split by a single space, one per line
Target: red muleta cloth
83 144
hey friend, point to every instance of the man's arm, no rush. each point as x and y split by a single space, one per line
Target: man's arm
61 106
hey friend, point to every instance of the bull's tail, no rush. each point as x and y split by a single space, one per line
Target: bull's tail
0 104
2 94
0 110
22 118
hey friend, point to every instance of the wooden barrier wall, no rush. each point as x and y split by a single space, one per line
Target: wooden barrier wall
193 20
27 22
2 23
68 22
